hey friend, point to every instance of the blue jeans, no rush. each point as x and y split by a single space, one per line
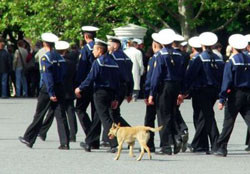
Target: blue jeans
4 84
21 82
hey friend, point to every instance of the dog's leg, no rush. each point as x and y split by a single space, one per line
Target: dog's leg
148 151
131 147
142 152
119 151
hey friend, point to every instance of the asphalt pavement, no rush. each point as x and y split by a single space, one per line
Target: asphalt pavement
45 158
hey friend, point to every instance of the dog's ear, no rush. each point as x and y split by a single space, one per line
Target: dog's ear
119 124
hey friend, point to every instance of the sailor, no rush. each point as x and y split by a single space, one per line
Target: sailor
51 95
235 91
86 58
104 76
165 86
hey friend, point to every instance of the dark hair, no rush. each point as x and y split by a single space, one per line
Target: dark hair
90 35
20 43
216 46
2 39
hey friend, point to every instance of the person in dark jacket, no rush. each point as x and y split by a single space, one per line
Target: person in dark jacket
62 47
4 68
208 67
235 91
51 95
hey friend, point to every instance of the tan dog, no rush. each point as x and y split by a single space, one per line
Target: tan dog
128 135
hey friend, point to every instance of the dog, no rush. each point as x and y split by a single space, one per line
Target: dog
128 135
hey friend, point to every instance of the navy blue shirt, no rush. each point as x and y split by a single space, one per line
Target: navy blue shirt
205 70
149 73
196 82
125 67
86 59
236 75
53 70
103 74
169 66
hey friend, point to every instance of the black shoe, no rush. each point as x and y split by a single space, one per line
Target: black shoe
112 150
85 146
104 144
177 146
22 140
197 150
165 151
247 149
43 138
221 152
184 138
63 147
72 139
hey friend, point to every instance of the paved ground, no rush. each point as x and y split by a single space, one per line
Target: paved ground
45 158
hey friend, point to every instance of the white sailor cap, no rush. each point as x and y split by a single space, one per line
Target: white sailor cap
184 43
208 39
100 42
178 38
167 36
113 38
49 37
156 37
61 45
89 28
194 42
138 41
248 37
238 41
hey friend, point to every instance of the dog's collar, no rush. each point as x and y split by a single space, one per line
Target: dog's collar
116 131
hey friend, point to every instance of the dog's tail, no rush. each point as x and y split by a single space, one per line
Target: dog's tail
157 129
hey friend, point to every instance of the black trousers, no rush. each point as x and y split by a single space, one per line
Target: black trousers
58 108
182 126
202 143
116 113
238 102
70 110
150 121
166 103
102 100
81 110
206 124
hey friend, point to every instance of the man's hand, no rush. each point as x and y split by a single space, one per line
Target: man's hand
114 104
53 98
129 99
146 101
180 99
220 106
78 93
151 100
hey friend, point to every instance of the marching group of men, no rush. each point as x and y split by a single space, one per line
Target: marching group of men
104 79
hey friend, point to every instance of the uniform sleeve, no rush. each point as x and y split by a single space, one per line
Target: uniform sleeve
156 76
47 76
91 76
226 82
192 72
148 76
83 66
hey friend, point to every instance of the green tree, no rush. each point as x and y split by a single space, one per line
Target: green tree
65 17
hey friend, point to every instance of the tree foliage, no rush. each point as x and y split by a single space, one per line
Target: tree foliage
65 17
